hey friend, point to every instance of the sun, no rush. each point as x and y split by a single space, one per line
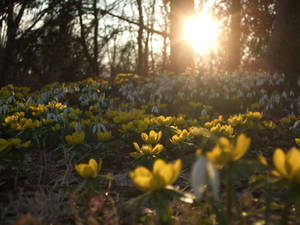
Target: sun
202 32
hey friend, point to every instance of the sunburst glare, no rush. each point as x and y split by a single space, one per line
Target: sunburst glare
202 32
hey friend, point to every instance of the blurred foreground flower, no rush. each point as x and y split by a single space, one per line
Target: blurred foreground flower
204 174
89 170
13 142
225 152
287 165
76 138
162 174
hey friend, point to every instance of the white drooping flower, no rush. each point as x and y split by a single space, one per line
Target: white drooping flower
205 174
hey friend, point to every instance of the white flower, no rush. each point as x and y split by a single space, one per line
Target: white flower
204 174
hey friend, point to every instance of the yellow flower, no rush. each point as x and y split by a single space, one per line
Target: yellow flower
179 120
269 124
254 115
287 165
179 137
152 138
90 170
56 127
126 127
146 150
162 174
164 121
75 138
104 136
199 131
297 140
142 125
224 152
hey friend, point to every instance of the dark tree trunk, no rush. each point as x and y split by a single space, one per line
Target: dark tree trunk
8 57
140 60
283 51
96 46
234 52
182 53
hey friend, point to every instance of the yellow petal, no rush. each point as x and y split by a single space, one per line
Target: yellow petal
141 177
157 149
159 135
167 173
94 166
242 146
136 146
144 136
225 144
79 169
88 172
136 154
292 162
158 164
279 161
262 160
215 155
177 170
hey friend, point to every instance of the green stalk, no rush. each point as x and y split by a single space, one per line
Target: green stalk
285 214
229 193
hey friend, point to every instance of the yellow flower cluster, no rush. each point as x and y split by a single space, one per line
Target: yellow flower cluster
214 122
143 124
164 121
121 117
226 130
237 120
288 119
18 122
269 124
254 115
199 131
162 174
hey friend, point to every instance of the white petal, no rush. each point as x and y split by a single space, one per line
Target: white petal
213 177
199 177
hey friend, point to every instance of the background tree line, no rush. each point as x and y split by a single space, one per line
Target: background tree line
42 41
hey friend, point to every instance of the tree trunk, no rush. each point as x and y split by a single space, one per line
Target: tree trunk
140 60
96 46
8 58
182 53
234 52
283 51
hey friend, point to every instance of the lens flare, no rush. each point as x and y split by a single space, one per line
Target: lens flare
202 32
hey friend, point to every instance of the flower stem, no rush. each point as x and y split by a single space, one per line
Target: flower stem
229 194
285 214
